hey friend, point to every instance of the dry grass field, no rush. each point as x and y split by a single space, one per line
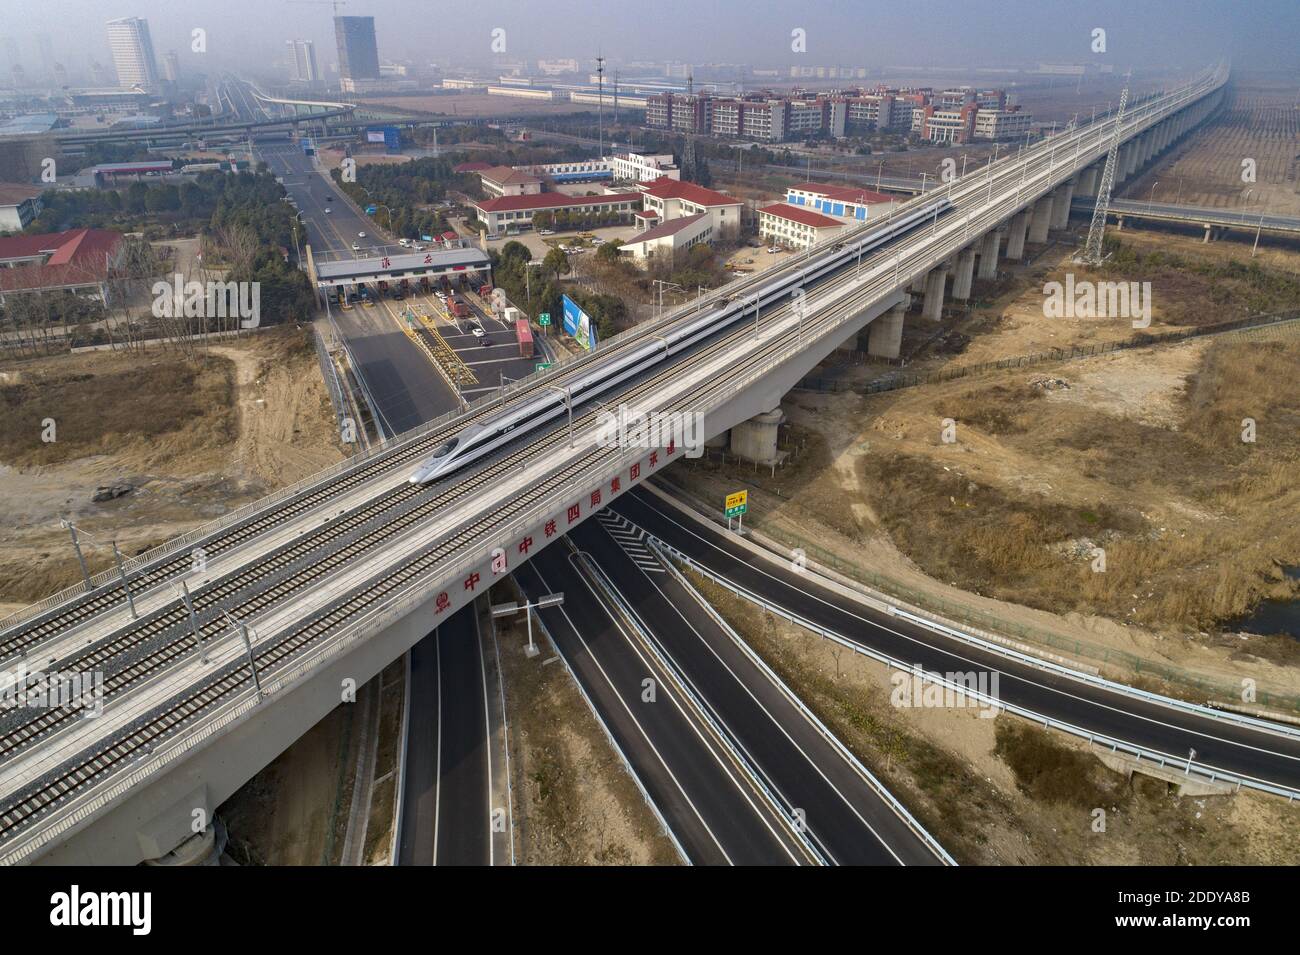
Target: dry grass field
1260 121
192 439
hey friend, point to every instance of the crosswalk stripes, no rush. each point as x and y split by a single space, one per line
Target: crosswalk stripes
632 539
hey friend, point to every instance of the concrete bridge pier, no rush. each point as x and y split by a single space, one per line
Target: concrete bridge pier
756 439
1061 200
1088 181
988 268
964 274
1016 235
200 849
932 308
1042 219
885 334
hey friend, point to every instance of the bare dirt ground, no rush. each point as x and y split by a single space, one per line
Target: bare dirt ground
193 439
575 803
998 791
1260 122
291 812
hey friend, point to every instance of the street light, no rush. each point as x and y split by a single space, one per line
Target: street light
1151 196
513 607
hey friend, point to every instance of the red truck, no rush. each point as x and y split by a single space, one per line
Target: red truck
525 336
456 305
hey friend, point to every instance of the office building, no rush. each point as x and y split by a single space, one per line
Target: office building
133 55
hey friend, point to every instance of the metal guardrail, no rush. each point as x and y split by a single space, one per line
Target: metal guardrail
813 719
889 590
692 699
613 742
1206 773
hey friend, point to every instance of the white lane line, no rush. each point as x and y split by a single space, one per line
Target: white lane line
958 655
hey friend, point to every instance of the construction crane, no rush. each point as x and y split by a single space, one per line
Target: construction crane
1092 253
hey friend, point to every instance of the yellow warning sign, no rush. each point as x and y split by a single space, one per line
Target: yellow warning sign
737 503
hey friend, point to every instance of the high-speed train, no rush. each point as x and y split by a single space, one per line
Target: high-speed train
499 429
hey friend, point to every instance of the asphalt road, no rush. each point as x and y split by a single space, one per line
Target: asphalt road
1219 745
845 820
446 816
714 811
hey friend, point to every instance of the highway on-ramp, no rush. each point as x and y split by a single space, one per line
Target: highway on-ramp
1220 743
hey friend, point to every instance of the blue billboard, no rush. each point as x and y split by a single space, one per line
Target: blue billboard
579 324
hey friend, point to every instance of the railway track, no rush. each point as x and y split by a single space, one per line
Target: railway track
373 522
24 636
148 730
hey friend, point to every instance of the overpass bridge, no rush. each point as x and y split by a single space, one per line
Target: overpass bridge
338 575
1215 222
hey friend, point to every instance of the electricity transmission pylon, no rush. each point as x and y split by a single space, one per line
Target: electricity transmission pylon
1092 252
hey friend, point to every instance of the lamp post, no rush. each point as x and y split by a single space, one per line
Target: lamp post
513 607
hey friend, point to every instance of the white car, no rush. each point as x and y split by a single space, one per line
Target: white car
546 232
773 250
361 235
327 210
355 247
478 332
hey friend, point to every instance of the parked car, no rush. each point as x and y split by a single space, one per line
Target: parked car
773 249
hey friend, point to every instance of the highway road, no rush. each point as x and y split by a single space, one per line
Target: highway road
446 773
1260 754
360 537
406 390
713 808
842 818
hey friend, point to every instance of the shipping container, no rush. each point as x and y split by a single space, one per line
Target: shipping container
524 334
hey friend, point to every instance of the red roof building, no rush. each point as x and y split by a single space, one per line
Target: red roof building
795 227
78 261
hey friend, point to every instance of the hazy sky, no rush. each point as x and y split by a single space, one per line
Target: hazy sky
249 33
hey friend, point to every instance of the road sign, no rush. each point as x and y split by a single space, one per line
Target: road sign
737 503
543 365
544 319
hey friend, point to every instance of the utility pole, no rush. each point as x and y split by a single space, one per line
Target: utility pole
600 106
76 545
1092 254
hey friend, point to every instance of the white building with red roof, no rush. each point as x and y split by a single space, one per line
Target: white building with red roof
668 238
512 213
673 199
796 227
505 181
842 202
77 261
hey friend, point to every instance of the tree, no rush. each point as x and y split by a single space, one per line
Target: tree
556 262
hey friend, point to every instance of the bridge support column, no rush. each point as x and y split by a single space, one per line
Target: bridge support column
1132 165
1016 235
1042 219
964 274
885 334
1062 198
934 283
989 255
1088 181
203 848
1209 232
756 439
